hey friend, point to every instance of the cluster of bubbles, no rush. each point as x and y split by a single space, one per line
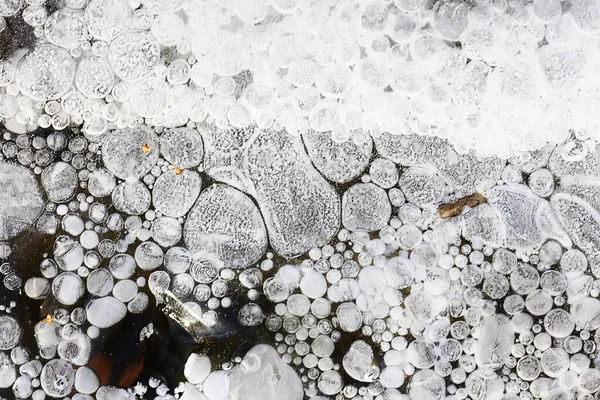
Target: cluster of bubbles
214 149
499 301
500 77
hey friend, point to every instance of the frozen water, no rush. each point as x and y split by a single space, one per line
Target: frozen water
105 312
182 147
20 200
197 368
10 332
133 55
86 380
130 153
131 197
358 361
68 288
365 207
66 28
528 219
339 161
59 181
421 186
46 72
57 378
263 375
174 193
226 223
94 77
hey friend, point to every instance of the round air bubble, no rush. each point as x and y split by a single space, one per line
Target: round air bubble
554 362
528 368
334 81
60 181
250 315
298 304
229 56
182 147
8 8
125 290
349 317
182 285
392 377
541 182
68 288
22 388
107 18
100 282
66 28
134 55
197 368
139 303
10 332
122 266
365 207
68 254
148 256
372 280
573 260
105 312
37 288
538 302
409 237
205 269
421 186
330 383
159 282
72 224
86 380
46 72
174 194
504 261
321 308
132 198
553 282
177 260
94 77
550 252
589 380
323 346
559 323
313 285
383 173
130 152
89 239
399 272
101 183
166 231
57 378
524 279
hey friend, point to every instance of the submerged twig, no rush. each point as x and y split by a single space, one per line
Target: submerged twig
456 207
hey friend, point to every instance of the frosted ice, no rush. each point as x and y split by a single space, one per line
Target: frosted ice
263 375
226 223
20 200
105 312
365 206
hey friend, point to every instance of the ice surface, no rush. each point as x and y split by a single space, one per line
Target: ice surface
263 375
226 223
